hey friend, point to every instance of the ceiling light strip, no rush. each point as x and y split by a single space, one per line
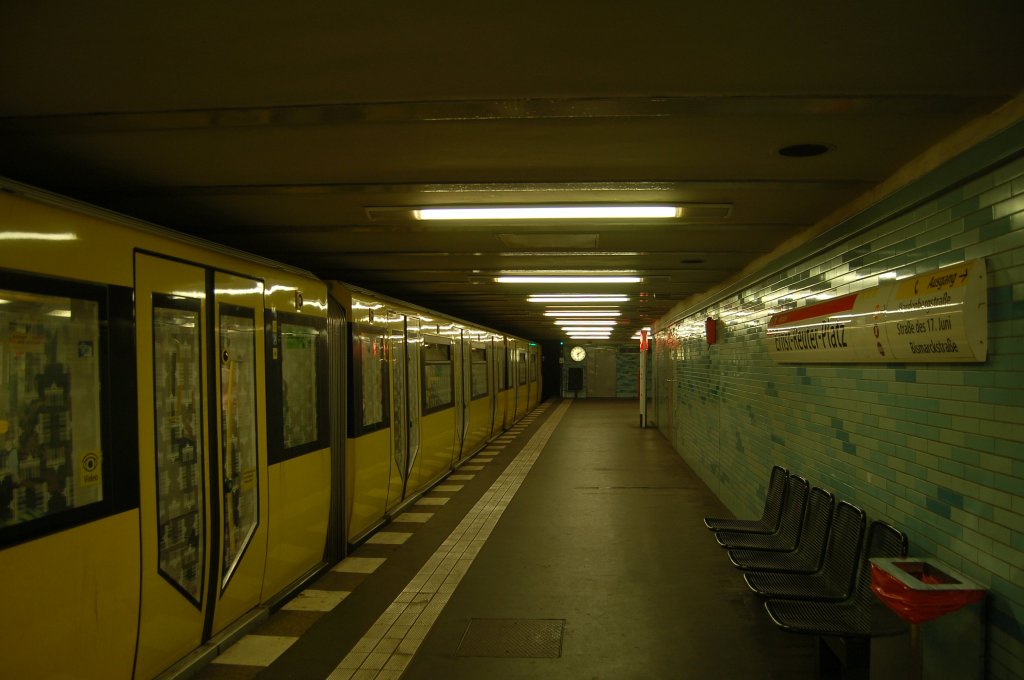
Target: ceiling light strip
585 322
577 298
568 279
563 212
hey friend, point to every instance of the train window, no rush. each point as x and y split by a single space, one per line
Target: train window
501 371
237 335
534 361
178 408
297 385
510 367
478 372
369 405
438 376
522 367
51 461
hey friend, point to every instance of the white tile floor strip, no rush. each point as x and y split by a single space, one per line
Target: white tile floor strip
255 650
431 501
389 538
359 565
310 600
408 619
448 487
472 468
418 517
461 478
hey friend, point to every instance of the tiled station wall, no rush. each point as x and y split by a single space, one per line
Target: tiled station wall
627 371
935 449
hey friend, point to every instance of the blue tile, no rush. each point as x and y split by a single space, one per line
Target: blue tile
906 376
951 497
938 508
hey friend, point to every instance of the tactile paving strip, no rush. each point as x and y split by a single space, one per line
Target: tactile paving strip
513 638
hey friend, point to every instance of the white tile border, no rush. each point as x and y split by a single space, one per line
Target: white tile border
312 600
389 538
359 565
255 650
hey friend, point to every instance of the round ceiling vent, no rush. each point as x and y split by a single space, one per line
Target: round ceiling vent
804 150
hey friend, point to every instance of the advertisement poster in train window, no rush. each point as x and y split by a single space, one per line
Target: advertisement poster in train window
500 369
437 375
178 412
478 372
50 431
396 342
521 365
369 403
237 335
299 389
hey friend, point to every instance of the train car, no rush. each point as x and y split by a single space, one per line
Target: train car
166 468
180 451
426 392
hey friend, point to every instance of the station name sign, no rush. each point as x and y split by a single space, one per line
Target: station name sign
941 316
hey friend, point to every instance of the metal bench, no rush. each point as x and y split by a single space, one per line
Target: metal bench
860 614
787 535
834 581
810 550
770 516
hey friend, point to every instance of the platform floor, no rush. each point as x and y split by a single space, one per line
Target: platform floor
571 547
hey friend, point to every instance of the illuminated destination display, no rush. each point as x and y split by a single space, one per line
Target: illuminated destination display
941 316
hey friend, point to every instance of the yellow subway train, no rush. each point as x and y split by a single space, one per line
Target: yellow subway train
190 433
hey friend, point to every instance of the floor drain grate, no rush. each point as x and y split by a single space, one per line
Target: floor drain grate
513 638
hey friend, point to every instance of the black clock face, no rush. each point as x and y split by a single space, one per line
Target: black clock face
578 353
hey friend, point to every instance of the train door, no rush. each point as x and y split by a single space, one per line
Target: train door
414 350
466 387
462 355
498 359
495 384
399 402
522 383
202 444
509 352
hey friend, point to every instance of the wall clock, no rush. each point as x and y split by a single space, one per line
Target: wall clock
577 353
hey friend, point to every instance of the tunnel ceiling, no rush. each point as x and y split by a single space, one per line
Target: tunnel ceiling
306 131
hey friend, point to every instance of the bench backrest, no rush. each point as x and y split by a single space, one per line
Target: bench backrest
884 540
793 510
775 496
818 520
842 554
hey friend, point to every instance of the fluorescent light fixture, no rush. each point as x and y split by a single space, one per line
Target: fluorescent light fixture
585 329
36 236
590 336
566 313
577 298
552 212
585 322
568 279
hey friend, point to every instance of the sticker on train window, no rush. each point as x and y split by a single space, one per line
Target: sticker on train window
50 405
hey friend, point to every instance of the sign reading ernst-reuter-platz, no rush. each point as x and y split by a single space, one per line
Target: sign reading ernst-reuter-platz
941 316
